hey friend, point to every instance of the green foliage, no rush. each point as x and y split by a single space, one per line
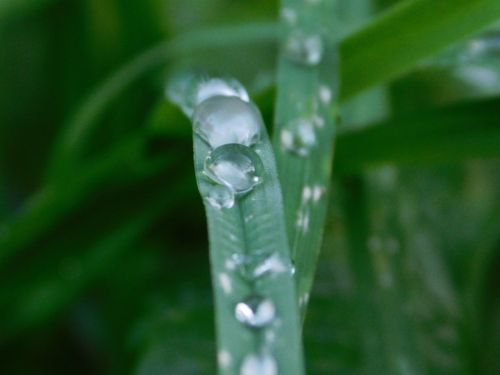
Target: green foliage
103 246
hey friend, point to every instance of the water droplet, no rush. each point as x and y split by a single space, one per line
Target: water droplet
302 220
220 87
271 265
236 166
298 136
289 15
224 358
304 49
222 120
306 194
317 193
259 364
220 196
255 311
188 90
325 94
225 283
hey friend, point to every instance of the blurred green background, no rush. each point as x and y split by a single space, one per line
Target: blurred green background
103 252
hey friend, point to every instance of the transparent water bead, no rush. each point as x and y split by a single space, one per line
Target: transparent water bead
188 90
298 136
255 311
220 196
222 120
304 49
220 87
259 364
236 166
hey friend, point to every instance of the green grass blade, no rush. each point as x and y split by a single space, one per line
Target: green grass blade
409 32
254 230
24 306
77 132
305 178
57 198
451 134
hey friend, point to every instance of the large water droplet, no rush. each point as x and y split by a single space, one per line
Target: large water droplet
259 364
220 87
298 136
222 120
255 311
220 196
188 90
304 49
236 166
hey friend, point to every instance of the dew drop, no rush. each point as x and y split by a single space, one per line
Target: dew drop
220 87
236 166
270 265
325 94
188 90
221 120
225 283
298 136
289 15
224 358
255 311
304 49
220 196
261 364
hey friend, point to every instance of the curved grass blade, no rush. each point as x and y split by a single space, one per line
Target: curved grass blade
439 25
250 257
58 197
410 31
305 98
24 306
77 131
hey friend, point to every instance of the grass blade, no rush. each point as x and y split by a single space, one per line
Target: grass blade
444 135
250 256
58 197
409 32
304 94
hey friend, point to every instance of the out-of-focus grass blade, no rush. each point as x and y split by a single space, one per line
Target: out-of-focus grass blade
25 305
76 133
407 33
451 134
58 197
306 92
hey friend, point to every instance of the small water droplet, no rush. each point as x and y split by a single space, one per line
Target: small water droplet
298 136
219 196
317 193
304 49
225 283
222 120
236 166
306 194
259 364
224 358
255 311
289 15
270 265
325 94
302 220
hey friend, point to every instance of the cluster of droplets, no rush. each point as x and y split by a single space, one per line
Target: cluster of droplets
225 119
304 49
